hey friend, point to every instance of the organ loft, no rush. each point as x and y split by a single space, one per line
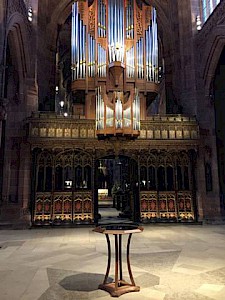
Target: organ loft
115 62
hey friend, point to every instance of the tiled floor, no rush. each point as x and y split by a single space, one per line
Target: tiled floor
170 262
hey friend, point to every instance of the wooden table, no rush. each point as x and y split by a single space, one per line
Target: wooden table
119 286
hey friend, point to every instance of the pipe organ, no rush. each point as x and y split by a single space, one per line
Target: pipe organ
118 116
115 60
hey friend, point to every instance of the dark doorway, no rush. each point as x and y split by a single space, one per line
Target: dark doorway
116 190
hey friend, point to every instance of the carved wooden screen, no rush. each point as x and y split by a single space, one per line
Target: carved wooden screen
166 187
43 197
63 192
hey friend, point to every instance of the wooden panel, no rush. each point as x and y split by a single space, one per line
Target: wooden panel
185 206
65 208
149 209
83 206
166 206
42 211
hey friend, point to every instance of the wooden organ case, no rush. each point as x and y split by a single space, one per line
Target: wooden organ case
115 61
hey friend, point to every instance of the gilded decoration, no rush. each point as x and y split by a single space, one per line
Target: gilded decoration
43 132
75 133
83 132
51 132
92 20
150 134
139 22
67 133
82 6
155 128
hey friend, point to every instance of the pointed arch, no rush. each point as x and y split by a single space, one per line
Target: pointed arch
211 56
18 31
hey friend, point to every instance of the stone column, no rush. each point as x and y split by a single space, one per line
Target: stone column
25 182
187 62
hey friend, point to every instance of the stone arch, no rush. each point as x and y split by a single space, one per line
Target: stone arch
17 35
17 39
212 56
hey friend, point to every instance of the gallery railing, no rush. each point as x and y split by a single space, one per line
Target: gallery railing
157 127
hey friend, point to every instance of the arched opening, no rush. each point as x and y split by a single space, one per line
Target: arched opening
219 98
116 189
12 93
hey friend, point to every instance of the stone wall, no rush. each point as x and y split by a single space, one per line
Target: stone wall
208 43
20 98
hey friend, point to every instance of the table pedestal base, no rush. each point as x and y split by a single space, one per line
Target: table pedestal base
123 288
119 286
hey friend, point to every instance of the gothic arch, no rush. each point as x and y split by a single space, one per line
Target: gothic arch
211 56
17 32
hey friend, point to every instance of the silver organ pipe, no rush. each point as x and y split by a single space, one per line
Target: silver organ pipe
152 64
130 20
84 50
140 58
91 56
120 14
118 115
99 110
127 117
147 54
136 111
80 75
101 19
90 53
109 117
78 44
116 30
130 63
77 39
119 111
74 40
72 46
101 61
156 47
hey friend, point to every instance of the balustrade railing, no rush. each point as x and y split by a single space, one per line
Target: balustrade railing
164 127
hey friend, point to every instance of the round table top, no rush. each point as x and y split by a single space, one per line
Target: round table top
118 229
